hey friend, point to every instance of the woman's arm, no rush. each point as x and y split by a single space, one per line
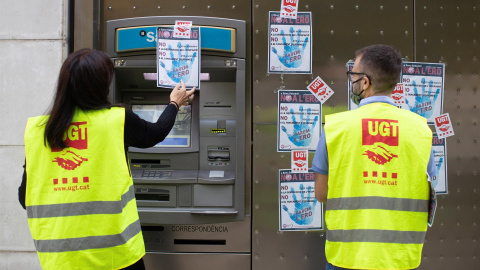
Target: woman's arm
22 189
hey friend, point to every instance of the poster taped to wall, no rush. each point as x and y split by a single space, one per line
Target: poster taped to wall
423 85
439 180
298 125
290 44
298 208
351 105
178 58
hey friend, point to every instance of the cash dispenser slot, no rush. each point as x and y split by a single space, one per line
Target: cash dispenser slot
219 154
156 196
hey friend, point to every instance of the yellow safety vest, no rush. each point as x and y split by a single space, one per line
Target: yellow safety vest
80 201
377 202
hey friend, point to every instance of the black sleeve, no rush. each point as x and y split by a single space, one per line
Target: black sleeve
143 134
22 189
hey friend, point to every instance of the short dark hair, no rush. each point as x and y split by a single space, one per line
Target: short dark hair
83 82
383 64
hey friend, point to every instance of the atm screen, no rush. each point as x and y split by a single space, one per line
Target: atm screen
180 135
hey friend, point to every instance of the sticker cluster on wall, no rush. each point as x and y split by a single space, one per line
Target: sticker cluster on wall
299 116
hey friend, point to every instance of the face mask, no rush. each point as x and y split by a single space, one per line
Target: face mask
354 97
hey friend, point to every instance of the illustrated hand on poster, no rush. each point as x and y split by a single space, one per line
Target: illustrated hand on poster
424 103
304 209
301 130
435 177
292 52
181 68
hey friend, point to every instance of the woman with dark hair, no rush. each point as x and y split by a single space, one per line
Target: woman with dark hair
90 220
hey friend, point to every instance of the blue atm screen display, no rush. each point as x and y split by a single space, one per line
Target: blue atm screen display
180 135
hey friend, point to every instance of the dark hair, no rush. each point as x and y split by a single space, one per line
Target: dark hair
83 82
383 64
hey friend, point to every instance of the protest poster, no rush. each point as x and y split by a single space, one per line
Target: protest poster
290 43
178 58
298 125
299 210
423 85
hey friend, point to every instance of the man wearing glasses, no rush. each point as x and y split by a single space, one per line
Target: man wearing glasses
371 166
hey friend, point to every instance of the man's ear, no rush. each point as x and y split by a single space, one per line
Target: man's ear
366 83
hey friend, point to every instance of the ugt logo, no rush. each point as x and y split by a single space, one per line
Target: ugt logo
379 135
300 160
75 137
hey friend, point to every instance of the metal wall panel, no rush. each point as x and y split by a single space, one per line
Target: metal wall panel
448 32
83 35
339 28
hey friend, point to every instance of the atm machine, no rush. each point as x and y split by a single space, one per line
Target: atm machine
190 189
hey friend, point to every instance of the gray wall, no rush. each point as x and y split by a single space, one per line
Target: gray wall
32 48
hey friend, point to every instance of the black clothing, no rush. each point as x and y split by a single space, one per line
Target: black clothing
139 265
137 133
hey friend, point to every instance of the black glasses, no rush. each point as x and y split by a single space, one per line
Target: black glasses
351 73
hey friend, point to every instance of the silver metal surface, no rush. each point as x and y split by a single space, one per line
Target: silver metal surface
237 10
83 24
220 237
220 245
195 261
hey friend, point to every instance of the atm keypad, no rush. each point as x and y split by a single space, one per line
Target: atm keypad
156 174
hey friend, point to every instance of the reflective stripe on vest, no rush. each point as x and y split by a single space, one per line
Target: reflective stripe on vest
373 202
81 208
90 242
377 236
377 202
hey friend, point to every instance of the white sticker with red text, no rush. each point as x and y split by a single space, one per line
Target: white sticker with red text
444 126
320 89
182 29
289 9
300 161
398 95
